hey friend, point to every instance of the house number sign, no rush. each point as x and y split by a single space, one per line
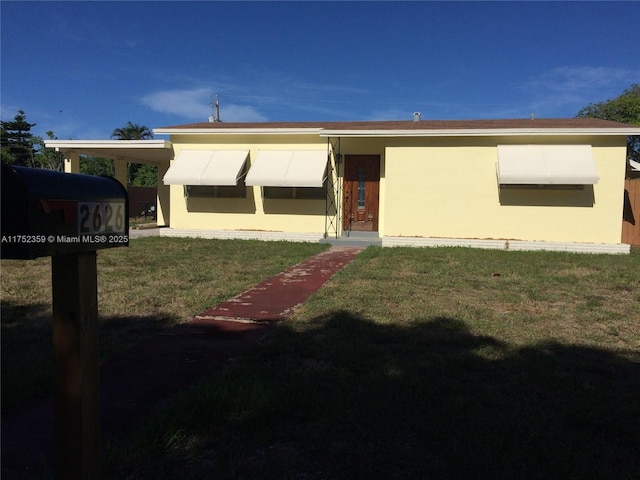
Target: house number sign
101 217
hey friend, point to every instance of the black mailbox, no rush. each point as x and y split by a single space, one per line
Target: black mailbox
53 213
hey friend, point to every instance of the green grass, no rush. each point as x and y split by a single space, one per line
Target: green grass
424 363
153 284
420 363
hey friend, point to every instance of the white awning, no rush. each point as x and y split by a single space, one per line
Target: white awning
289 168
546 165
206 167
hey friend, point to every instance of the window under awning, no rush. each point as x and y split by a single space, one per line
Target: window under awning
295 168
206 167
546 165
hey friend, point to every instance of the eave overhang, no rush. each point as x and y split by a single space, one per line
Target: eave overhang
482 132
237 131
133 151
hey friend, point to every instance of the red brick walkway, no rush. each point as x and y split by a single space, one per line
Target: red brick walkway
273 299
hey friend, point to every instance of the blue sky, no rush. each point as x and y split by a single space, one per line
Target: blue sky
83 68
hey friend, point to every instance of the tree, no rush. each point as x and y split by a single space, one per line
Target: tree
46 157
624 108
96 166
145 176
139 175
16 141
132 131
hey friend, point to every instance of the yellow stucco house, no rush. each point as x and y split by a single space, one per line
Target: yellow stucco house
554 184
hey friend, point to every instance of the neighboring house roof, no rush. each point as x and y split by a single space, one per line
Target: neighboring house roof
551 126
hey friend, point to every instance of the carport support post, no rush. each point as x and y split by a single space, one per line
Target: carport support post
72 163
75 349
122 172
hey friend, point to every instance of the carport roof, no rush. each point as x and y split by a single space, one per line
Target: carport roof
133 151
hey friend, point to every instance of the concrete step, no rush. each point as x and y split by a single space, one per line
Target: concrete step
355 239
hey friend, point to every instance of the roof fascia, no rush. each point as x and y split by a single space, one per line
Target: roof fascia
134 151
237 131
481 132
115 144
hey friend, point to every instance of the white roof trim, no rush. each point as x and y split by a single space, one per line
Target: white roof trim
480 132
206 167
117 144
288 168
134 151
546 165
237 131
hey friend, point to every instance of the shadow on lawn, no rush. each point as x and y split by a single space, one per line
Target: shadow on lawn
133 381
27 346
349 398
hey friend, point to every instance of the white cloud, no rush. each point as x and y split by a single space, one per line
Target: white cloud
253 96
184 103
195 104
574 87
240 113
571 79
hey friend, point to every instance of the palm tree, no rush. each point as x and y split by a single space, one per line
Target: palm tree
132 131
138 174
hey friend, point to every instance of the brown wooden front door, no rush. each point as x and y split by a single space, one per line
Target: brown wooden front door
361 192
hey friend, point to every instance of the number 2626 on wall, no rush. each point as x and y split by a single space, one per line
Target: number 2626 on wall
101 217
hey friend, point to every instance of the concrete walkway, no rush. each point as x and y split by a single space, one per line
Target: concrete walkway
136 383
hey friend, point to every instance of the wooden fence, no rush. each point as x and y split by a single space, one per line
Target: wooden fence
631 212
141 199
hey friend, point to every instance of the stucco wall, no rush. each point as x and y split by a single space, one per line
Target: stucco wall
448 188
253 212
429 187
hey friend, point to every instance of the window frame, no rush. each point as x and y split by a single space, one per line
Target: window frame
216 191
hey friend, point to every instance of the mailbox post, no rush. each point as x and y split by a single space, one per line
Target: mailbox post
68 217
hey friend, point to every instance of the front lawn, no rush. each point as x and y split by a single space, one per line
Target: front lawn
424 363
411 363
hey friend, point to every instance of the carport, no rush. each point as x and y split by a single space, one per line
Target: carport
123 152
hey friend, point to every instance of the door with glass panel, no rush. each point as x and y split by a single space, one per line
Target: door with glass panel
361 193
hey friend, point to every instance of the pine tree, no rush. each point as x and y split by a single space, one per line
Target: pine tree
15 141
